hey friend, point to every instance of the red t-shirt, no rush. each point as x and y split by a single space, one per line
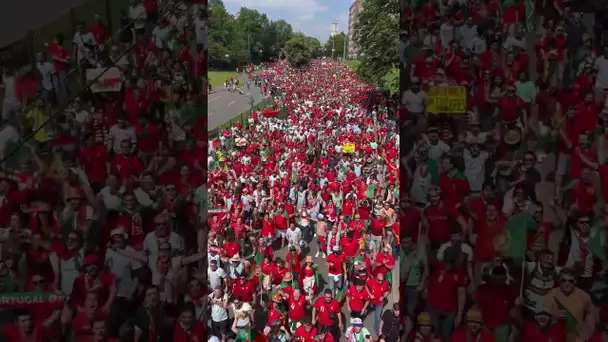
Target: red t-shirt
349 248
461 335
576 163
325 311
377 291
246 290
495 304
553 333
59 51
303 336
357 299
94 160
380 268
297 308
127 166
510 108
12 334
337 260
101 286
584 196
443 288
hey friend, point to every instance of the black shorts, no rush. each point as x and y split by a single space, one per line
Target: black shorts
220 328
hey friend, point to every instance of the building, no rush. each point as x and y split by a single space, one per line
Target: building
353 13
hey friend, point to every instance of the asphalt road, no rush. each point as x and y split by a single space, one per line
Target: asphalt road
224 105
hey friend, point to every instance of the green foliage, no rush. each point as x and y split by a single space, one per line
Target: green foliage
299 50
377 37
337 43
249 36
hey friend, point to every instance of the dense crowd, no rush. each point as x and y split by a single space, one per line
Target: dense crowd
304 235
102 189
503 158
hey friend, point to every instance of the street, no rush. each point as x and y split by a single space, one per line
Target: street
224 105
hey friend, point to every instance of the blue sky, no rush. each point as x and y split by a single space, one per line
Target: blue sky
313 17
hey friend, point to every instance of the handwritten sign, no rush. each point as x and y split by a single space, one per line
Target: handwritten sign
109 81
348 148
447 100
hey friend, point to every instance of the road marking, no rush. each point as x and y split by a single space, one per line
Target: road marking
215 98
231 103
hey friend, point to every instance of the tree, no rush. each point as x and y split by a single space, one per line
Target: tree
298 51
336 42
314 45
377 36
249 36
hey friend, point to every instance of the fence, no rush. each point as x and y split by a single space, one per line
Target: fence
241 118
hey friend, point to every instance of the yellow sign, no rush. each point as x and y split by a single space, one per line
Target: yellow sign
447 100
348 148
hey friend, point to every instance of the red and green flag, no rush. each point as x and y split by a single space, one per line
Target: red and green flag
513 241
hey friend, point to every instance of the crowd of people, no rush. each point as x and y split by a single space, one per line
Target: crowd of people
504 163
303 198
102 182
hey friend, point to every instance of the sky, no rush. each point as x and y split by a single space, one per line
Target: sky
312 17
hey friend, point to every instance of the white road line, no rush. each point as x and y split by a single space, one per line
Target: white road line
215 98
231 103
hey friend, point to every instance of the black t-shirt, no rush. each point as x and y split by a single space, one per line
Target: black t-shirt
390 329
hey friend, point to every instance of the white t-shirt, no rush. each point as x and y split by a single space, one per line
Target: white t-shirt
353 336
69 269
138 14
215 277
110 200
242 315
601 65
10 89
201 30
465 248
293 236
47 73
119 134
414 102
122 268
151 245
8 134
159 35
474 169
82 41
218 313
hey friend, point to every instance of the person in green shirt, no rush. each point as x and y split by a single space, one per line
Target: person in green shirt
414 270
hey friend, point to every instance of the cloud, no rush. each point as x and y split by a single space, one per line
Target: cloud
302 9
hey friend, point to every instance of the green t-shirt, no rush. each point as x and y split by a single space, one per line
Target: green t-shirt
417 260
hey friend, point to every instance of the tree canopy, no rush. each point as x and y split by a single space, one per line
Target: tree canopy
300 50
377 36
336 42
248 36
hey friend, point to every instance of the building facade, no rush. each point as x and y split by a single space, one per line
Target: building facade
353 13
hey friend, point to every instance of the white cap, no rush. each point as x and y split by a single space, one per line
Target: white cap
356 321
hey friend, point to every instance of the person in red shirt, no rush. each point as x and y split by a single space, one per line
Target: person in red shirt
378 290
337 270
61 61
496 300
99 333
83 322
125 163
385 262
92 280
245 289
357 299
349 245
512 108
447 293
473 330
24 329
324 312
297 309
541 328
188 328
306 332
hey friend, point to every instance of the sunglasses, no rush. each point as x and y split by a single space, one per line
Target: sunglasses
584 222
567 280
38 282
